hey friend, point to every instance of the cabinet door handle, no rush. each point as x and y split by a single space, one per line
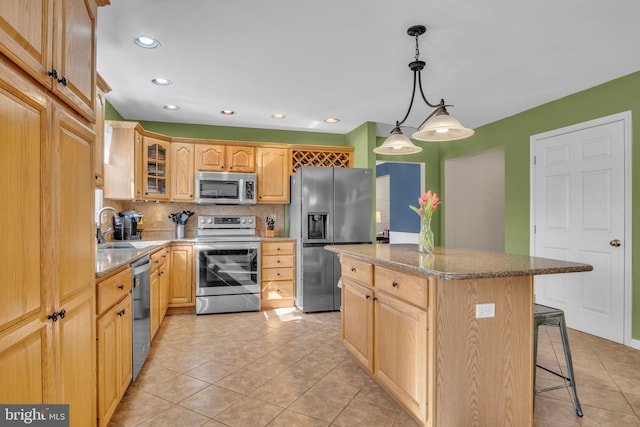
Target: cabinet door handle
63 81
353 269
62 313
121 287
367 296
375 298
394 284
53 73
53 316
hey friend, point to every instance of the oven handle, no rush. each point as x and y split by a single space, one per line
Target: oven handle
227 245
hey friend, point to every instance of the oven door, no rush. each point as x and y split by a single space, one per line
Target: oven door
227 268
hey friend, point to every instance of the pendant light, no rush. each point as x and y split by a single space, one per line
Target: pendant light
438 126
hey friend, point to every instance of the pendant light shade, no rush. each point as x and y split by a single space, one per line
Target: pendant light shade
438 126
397 144
442 127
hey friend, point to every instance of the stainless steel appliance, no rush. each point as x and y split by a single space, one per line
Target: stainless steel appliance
225 188
227 264
125 226
140 270
328 206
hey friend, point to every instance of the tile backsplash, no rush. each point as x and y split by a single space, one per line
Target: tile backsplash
156 215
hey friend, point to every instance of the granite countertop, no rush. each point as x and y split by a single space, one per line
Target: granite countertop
457 264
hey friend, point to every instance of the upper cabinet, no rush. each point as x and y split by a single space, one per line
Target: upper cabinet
225 158
182 172
156 154
98 150
54 41
273 175
123 161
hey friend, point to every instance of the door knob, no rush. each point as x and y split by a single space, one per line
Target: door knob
615 243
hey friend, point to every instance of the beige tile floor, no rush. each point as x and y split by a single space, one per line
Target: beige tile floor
285 368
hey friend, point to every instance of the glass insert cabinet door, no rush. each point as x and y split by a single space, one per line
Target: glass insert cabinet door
156 168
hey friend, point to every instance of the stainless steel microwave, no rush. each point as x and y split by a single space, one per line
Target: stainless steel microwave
225 188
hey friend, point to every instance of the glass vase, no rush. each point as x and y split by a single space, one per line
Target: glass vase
425 238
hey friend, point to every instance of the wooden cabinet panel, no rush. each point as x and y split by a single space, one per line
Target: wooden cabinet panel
164 272
408 287
75 62
183 172
181 274
99 127
26 38
357 269
400 358
240 159
154 298
72 191
123 165
278 248
76 341
114 333
24 136
277 261
357 322
24 357
278 293
277 274
273 175
210 157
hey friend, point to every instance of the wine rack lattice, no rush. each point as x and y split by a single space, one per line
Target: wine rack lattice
319 158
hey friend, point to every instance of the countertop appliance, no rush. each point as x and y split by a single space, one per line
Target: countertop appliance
125 225
227 264
225 188
329 206
140 270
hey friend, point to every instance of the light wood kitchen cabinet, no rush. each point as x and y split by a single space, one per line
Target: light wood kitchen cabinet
54 41
156 168
273 175
98 151
277 274
114 337
182 172
225 158
159 289
123 164
357 322
384 330
182 291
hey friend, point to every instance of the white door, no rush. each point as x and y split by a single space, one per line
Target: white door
578 209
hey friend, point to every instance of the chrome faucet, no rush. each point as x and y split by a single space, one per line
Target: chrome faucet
99 233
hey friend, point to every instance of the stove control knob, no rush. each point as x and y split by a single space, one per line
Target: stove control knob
244 220
210 220
250 220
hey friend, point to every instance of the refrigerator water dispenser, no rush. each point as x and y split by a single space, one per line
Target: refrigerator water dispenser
317 226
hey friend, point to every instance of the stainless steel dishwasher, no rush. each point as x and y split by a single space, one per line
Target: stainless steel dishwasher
141 312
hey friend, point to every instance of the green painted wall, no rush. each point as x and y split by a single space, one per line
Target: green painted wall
513 133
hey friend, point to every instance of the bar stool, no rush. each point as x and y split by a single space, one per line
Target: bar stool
544 315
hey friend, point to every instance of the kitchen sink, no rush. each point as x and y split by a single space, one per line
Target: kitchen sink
129 245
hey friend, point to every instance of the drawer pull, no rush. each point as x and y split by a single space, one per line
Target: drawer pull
278 262
121 287
394 284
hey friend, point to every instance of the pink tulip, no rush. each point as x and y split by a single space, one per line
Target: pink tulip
425 196
421 202
420 212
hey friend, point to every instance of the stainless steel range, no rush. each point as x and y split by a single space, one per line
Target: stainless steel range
227 264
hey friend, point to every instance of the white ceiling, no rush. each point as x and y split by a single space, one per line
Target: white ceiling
348 58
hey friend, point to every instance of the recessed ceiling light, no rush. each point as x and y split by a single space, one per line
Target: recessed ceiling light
161 82
171 107
331 120
278 116
227 112
146 42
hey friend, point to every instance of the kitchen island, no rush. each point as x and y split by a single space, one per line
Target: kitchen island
448 335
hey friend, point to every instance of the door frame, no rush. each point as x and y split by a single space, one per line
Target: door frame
625 117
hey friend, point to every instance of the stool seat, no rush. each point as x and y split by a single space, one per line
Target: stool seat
545 315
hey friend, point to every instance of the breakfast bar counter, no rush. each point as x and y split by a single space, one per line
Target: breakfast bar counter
448 335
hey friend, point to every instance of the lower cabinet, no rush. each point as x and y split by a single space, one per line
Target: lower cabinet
181 292
114 341
159 288
384 328
277 274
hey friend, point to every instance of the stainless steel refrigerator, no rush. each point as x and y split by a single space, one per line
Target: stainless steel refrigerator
329 206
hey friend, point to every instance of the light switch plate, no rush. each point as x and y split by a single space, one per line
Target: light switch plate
485 310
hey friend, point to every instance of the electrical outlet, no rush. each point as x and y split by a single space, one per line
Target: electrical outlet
485 310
